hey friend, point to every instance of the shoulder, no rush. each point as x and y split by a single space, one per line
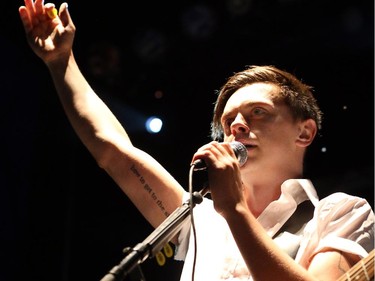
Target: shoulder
341 221
345 216
341 203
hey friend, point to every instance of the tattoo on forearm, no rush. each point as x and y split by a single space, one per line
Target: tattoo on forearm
149 190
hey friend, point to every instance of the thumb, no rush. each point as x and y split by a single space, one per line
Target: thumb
65 16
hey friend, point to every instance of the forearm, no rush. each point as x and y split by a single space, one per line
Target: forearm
90 117
141 177
263 258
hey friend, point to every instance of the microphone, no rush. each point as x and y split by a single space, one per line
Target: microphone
239 150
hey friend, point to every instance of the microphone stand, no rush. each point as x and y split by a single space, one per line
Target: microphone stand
155 241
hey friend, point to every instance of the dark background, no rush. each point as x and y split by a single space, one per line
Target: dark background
62 218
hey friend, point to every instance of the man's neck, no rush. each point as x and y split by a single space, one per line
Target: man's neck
260 193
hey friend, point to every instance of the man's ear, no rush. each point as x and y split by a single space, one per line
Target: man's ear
307 132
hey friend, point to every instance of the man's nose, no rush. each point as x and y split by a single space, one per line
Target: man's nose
239 125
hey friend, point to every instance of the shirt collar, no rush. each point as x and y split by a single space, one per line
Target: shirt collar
293 192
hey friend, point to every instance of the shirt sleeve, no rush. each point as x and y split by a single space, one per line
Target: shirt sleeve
341 222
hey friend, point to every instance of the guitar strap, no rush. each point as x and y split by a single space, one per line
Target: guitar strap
289 236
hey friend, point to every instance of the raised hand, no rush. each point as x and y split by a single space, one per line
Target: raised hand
49 34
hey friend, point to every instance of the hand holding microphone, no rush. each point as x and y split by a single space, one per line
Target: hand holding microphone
199 169
239 150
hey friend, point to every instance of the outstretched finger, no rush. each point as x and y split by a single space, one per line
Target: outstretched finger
39 9
24 15
29 4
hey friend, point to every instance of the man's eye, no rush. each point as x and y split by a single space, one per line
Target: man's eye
228 122
258 111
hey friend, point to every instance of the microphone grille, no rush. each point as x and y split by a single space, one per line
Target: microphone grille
240 151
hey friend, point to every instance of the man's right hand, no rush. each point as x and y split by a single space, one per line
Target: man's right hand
49 34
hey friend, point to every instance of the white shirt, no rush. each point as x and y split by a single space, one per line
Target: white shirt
340 221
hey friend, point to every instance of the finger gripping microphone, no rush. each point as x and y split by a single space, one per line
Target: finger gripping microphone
239 150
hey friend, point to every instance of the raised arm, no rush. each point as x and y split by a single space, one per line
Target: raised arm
149 186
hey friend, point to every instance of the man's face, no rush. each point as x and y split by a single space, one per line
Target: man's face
255 116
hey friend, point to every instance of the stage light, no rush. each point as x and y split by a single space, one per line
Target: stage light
154 125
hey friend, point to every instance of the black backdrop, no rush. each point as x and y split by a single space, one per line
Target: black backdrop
62 218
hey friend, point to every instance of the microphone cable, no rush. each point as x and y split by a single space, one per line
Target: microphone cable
240 151
191 206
